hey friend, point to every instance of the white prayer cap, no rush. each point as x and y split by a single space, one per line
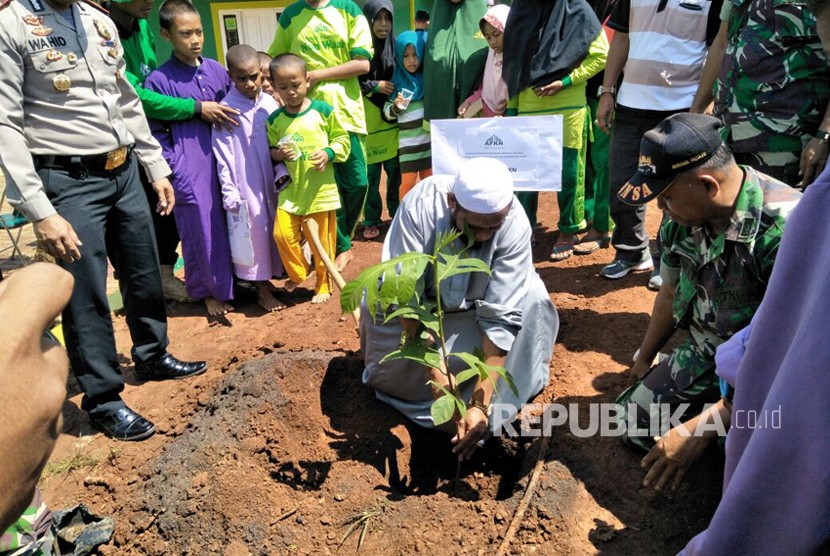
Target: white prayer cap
483 185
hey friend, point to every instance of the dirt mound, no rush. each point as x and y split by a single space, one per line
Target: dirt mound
292 449
292 446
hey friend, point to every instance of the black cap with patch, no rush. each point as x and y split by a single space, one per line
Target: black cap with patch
678 144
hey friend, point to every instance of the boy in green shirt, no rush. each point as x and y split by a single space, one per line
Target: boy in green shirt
306 135
333 38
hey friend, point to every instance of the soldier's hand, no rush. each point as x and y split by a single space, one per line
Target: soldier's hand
813 160
638 370
167 200
58 238
33 373
220 115
672 456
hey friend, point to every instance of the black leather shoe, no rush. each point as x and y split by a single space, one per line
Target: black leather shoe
124 424
168 367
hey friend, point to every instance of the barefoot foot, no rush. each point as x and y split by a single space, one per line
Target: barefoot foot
342 260
266 299
216 308
321 298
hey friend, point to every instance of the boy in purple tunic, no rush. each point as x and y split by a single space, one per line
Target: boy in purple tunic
246 172
188 150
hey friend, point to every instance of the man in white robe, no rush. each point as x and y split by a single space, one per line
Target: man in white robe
508 315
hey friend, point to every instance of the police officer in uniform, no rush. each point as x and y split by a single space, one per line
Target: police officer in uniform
73 133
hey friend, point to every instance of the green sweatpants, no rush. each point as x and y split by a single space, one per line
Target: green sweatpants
597 200
571 198
351 184
374 205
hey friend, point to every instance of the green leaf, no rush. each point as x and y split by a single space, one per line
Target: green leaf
450 264
443 409
443 240
415 352
508 378
424 316
471 360
486 371
399 277
405 312
464 266
460 406
464 376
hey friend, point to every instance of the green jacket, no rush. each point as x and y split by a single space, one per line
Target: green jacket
140 57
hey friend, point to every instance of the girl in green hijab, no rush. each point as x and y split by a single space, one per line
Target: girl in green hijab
456 52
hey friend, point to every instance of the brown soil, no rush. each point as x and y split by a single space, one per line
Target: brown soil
279 445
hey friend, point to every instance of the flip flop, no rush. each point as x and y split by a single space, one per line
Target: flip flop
562 251
371 232
592 245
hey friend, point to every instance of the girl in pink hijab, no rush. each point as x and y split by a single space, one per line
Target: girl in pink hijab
493 90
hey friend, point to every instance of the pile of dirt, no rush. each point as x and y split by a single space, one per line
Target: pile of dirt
292 449
292 446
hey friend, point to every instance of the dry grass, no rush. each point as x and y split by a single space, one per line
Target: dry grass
360 522
80 459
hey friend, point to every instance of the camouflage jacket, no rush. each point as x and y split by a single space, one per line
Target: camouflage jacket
774 83
721 280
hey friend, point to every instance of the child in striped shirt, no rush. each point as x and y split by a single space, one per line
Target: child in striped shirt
407 105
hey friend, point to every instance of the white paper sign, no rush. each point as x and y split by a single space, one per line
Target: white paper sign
531 146
239 233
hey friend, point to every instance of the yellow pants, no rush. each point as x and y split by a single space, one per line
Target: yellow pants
288 237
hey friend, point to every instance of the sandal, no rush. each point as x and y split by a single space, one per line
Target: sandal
371 232
562 251
592 245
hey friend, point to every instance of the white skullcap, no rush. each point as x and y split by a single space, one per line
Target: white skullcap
483 185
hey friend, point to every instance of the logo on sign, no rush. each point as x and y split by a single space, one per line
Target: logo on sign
494 140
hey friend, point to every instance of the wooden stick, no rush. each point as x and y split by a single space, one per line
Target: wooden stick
314 232
531 486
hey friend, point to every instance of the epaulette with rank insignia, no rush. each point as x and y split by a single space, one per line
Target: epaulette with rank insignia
95 5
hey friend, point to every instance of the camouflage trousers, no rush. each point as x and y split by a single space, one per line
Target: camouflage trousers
686 377
782 166
31 534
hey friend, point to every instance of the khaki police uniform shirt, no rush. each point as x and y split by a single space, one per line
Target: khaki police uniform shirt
63 92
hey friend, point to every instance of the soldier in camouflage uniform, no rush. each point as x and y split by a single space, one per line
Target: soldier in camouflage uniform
772 90
719 247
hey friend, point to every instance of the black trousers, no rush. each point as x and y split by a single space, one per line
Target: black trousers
630 238
108 209
167 235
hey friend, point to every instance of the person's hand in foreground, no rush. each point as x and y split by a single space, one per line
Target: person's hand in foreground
33 372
